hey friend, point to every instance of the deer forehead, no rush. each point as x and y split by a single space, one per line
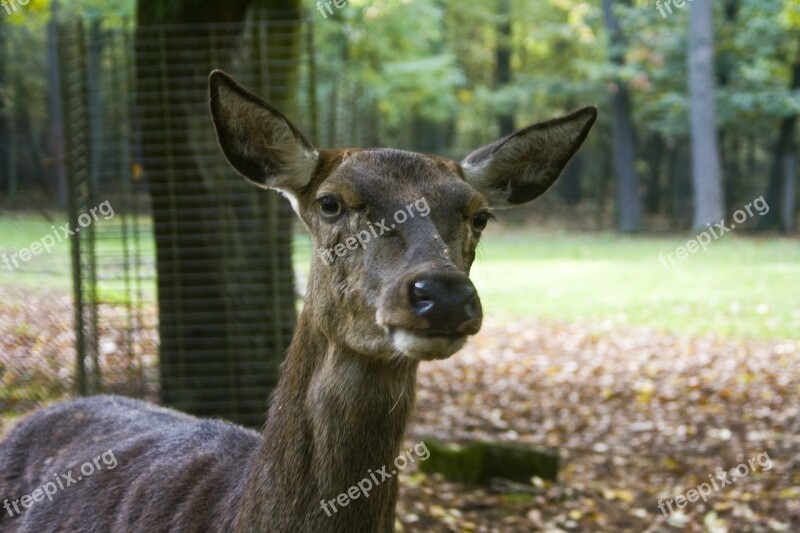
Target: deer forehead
385 178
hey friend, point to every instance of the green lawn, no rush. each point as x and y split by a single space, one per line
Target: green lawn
53 270
740 286
46 271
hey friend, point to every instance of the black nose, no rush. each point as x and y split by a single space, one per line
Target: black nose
448 302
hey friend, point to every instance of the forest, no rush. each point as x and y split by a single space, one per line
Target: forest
458 74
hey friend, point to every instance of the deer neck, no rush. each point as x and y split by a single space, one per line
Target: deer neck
336 418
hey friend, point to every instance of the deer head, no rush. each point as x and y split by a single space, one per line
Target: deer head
394 232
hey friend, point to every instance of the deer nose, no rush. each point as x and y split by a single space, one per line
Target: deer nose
449 303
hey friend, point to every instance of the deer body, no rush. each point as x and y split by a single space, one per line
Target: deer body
347 383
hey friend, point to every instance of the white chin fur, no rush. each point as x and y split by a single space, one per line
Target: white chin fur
423 348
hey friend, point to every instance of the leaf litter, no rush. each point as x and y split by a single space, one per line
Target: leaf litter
636 415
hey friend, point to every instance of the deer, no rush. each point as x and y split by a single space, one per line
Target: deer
347 385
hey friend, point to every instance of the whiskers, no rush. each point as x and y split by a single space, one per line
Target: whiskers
402 393
399 358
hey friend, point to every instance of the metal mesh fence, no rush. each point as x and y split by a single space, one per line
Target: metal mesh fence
188 237
180 273
189 241
113 267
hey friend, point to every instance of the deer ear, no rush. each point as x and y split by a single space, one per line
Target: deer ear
520 167
257 139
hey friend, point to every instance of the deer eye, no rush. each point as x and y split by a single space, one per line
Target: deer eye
480 220
330 207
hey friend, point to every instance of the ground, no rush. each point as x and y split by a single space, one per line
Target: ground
637 416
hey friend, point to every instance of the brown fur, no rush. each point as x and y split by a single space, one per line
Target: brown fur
347 384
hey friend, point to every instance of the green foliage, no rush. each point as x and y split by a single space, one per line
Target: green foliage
26 45
437 58
753 59
37 12
403 68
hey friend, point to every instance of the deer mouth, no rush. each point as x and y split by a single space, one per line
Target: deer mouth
427 345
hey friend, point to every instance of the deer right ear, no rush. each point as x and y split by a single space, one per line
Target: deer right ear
522 166
257 139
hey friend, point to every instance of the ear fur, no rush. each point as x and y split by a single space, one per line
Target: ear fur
257 139
522 166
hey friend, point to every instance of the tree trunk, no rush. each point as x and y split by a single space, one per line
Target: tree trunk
654 196
789 204
568 185
629 205
94 98
706 172
505 118
225 279
56 112
783 148
429 136
680 188
725 67
5 138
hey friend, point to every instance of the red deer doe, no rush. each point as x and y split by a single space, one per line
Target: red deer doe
348 382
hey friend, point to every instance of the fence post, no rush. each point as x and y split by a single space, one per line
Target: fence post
67 137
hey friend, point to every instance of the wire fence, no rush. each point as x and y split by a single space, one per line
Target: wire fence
187 293
192 251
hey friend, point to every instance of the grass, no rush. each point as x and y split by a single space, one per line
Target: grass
739 287
44 271
53 271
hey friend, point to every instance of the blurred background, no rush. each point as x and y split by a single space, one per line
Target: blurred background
628 333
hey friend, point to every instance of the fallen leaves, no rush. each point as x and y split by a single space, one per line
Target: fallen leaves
637 416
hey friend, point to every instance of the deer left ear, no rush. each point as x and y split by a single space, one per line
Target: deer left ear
257 139
522 166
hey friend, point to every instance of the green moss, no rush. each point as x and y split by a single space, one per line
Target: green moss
478 462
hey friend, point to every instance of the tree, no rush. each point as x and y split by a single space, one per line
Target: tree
780 192
505 119
706 172
225 279
782 212
629 205
4 111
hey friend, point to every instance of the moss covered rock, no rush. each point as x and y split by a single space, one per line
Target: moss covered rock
480 461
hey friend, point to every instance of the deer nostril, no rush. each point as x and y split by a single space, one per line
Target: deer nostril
473 307
421 298
447 302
